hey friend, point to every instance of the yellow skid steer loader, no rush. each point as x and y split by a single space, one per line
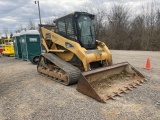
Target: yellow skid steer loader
71 54
8 48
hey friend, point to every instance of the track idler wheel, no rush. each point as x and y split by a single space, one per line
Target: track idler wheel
34 60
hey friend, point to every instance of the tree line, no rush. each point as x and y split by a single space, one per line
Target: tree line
122 30
6 34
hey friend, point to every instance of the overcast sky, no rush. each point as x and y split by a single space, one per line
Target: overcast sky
16 12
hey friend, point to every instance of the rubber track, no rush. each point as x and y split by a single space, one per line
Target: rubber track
73 72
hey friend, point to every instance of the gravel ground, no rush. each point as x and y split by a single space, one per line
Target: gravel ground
26 95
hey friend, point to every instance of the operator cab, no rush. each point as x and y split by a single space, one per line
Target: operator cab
78 27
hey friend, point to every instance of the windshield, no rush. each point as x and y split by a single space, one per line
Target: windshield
86 30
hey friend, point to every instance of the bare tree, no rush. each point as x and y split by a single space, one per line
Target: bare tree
115 28
31 25
158 21
137 32
118 27
20 28
150 22
49 22
5 31
11 35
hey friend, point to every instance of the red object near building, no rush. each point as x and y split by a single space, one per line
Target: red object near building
1 49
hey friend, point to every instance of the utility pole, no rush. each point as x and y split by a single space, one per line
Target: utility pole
37 2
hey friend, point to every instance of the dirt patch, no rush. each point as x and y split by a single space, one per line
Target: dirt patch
108 82
113 84
112 113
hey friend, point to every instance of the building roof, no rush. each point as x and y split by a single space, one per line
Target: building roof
29 32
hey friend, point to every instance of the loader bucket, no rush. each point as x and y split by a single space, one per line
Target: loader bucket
107 82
